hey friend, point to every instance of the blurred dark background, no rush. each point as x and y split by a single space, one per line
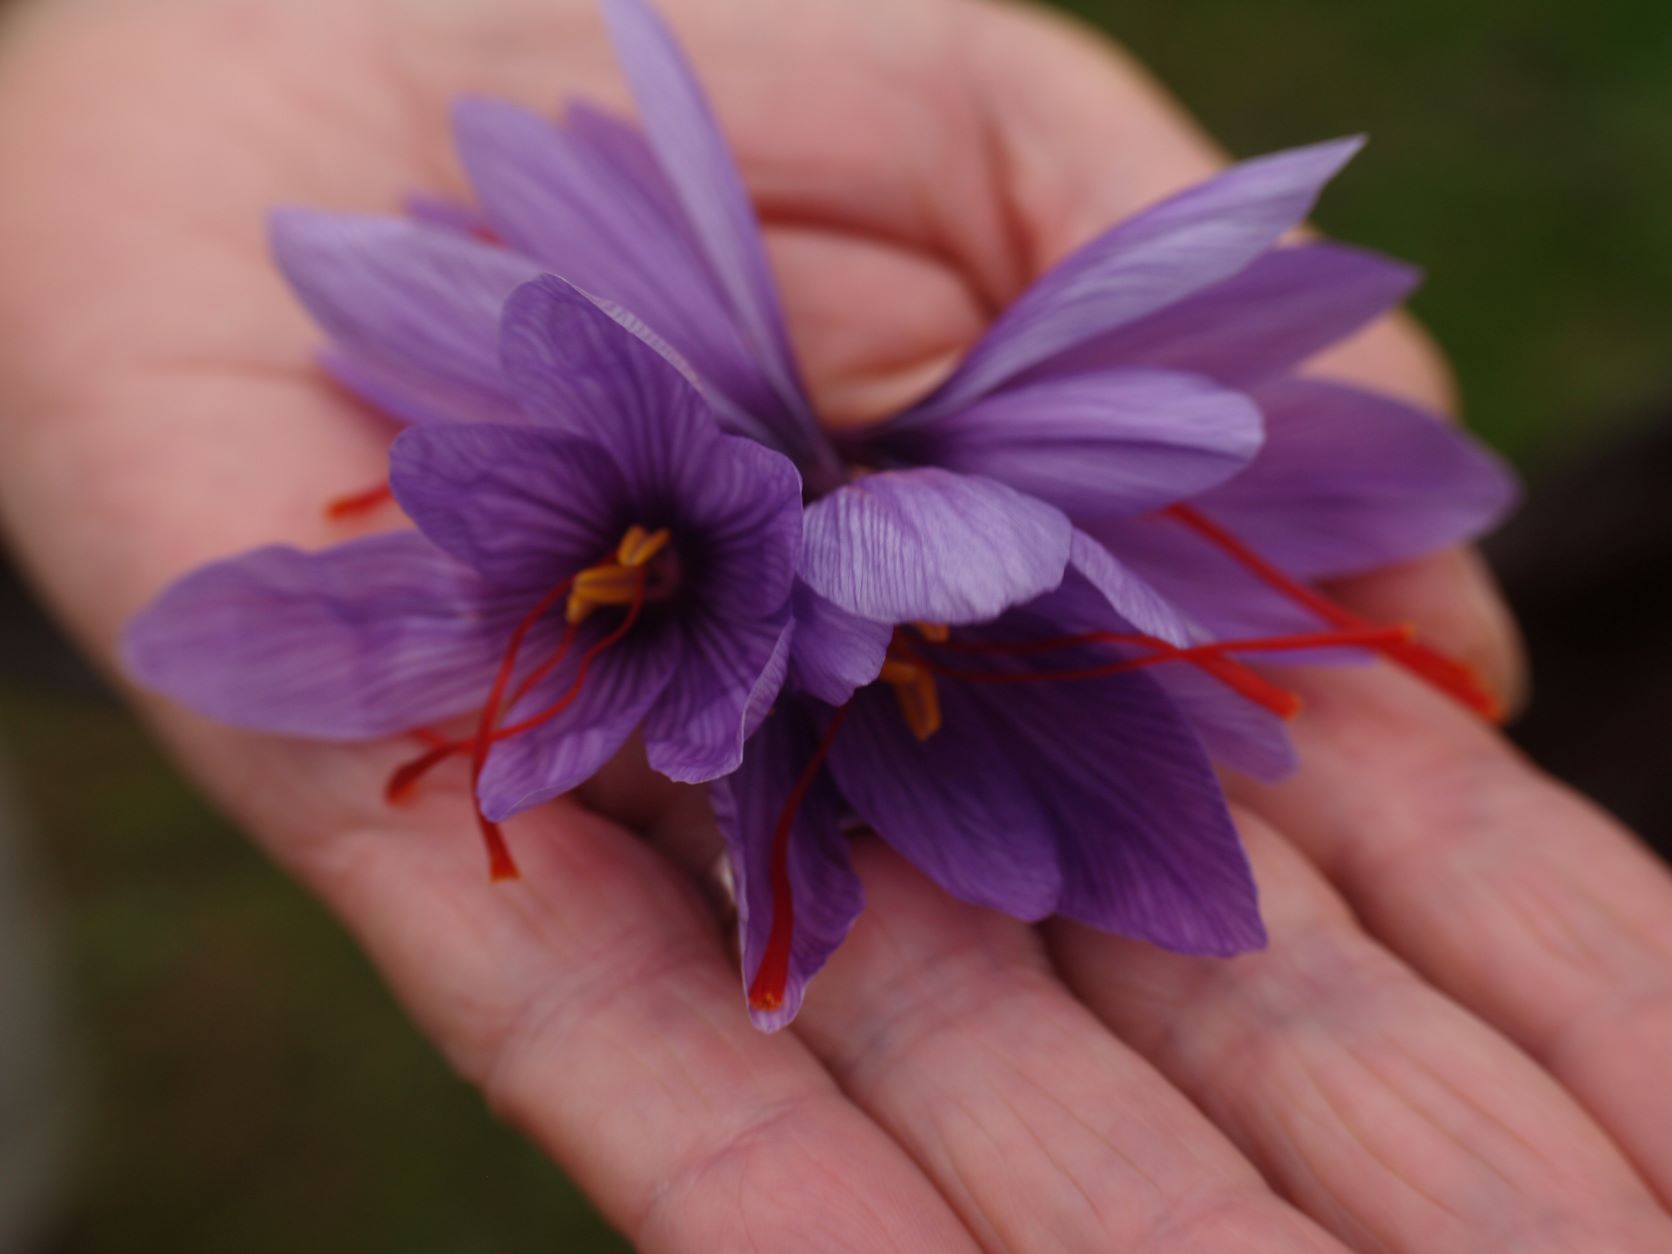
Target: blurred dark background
244 1084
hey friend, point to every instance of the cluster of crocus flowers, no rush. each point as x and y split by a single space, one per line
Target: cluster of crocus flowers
1008 629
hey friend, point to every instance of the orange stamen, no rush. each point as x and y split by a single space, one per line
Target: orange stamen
357 503
767 990
1446 674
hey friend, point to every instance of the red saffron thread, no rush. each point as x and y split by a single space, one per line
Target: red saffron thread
501 866
767 989
1209 658
1359 637
357 503
1446 674
405 778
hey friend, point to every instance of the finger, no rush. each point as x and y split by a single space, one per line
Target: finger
594 1004
1385 1111
947 1025
1506 890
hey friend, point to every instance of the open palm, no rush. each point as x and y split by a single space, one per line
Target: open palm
1458 1036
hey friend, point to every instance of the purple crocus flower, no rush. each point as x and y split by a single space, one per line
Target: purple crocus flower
1151 369
614 562
1019 768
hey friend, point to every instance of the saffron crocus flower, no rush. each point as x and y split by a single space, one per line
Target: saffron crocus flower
1109 406
1033 765
614 562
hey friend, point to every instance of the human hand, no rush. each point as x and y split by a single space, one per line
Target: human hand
1452 1041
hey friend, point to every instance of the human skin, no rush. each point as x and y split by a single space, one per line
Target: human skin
1458 1036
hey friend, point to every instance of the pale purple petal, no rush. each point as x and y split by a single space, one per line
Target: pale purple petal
412 310
615 693
1210 589
367 639
1349 481
693 155
448 214
1126 591
834 652
930 545
1090 799
825 894
1259 323
1102 444
524 506
410 398
729 673
1169 252
589 203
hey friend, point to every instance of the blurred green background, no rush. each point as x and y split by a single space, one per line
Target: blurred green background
248 1085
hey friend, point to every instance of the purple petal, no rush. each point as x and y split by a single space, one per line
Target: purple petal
616 691
367 639
413 311
1105 444
1236 732
1349 481
729 674
589 203
693 155
1259 323
929 545
448 214
524 506
1126 591
1091 799
575 368
825 894
1177 248
741 502
834 652
1211 590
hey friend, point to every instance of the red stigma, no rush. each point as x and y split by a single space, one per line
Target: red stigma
357 503
1212 659
767 989
403 781
1446 674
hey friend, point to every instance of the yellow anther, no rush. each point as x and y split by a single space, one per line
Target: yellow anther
619 581
934 633
638 546
914 688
